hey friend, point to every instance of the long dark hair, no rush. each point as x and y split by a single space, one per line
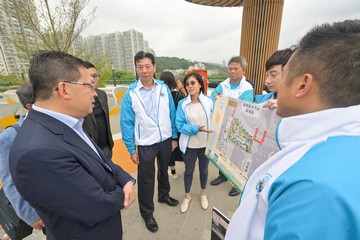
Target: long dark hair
168 79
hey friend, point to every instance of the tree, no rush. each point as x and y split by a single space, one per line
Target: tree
46 26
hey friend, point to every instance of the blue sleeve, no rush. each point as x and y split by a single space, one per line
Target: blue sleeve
247 96
307 210
172 114
262 98
218 90
182 124
127 123
21 207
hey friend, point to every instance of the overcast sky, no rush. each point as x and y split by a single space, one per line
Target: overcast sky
177 28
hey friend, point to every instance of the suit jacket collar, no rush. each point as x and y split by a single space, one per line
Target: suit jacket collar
69 135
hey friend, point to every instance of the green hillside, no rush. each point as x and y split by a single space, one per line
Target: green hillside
173 63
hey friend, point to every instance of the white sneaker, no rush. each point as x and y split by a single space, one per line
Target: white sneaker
174 176
204 202
185 205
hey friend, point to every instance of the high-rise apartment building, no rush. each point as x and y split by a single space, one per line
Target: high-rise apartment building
119 47
12 60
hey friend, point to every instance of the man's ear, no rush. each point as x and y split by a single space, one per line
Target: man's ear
304 85
28 106
63 90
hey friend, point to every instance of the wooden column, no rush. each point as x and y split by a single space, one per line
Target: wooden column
260 32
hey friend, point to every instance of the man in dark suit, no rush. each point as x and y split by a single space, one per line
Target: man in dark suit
55 165
97 123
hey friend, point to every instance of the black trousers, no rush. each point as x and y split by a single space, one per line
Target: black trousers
222 175
146 175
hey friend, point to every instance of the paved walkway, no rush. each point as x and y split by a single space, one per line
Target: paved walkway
195 224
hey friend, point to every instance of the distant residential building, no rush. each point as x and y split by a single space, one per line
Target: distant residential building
198 66
176 72
213 72
12 60
119 47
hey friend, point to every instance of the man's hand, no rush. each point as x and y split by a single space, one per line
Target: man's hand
39 224
135 158
129 196
271 104
174 145
203 129
218 96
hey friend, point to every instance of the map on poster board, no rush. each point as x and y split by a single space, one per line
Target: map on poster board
243 138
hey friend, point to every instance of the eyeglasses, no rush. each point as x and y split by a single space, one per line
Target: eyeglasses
192 83
96 76
91 85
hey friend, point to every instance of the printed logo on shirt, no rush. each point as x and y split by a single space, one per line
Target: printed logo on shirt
261 184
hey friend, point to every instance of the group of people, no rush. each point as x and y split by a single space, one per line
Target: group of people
62 171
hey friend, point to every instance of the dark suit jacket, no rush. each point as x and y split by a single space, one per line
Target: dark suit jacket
93 129
69 185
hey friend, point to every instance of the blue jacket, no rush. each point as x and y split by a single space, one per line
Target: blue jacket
21 207
137 127
182 122
244 91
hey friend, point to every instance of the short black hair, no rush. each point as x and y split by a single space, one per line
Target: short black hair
331 54
48 68
280 57
141 55
25 94
88 65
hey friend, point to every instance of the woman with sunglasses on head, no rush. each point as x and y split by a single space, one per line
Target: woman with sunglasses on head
193 119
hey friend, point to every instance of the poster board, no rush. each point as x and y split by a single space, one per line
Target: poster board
243 138
219 225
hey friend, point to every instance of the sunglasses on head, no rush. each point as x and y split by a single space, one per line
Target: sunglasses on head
192 83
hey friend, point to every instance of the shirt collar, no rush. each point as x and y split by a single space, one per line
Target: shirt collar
66 119
319 125
141 86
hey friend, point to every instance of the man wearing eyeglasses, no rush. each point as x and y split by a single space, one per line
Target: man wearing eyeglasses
55 165
235 86
97 123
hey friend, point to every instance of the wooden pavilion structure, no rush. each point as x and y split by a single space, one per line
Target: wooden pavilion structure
260 31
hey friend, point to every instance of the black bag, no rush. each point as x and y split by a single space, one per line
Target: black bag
15 227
